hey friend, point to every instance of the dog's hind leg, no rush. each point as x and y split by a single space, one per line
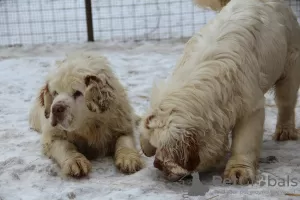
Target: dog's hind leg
127 158
245 151
286 91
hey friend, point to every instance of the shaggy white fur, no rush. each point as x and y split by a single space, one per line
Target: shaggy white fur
83 112
218 86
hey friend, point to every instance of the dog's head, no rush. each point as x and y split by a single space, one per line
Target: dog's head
64 96
65 107
179 148
181 140
176 148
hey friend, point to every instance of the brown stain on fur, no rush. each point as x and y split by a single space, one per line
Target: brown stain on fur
184 152
158 164
189 158
42 93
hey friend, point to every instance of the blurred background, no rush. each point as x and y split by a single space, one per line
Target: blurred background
24 22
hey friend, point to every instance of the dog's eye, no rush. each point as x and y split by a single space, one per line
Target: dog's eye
77 94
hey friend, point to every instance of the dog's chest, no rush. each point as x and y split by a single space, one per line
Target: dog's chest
83 147
91 145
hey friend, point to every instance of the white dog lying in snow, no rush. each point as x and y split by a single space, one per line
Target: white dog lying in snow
83 112
219 85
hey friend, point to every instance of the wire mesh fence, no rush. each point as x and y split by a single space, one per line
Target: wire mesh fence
57 21
295 5
147 19
41 21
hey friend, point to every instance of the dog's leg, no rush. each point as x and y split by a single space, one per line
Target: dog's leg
99 93
65 154
286 98
127 158
246 144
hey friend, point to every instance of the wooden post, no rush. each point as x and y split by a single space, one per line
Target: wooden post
89 20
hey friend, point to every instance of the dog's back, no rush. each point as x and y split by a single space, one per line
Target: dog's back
261 34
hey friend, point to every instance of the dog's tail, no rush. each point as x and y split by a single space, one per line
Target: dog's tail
215 5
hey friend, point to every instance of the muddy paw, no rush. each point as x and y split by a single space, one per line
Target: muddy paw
77 167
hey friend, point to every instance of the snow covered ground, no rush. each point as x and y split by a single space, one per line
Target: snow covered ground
26 174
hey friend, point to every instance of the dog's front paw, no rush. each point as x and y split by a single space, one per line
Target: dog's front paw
99 94
285 133
240 174
77 166
129 161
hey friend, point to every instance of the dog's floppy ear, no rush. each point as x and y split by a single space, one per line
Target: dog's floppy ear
99 93
45 99
184 150
189 158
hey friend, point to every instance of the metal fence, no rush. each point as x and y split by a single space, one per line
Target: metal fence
57 21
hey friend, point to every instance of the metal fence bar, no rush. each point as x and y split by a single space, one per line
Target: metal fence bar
89 20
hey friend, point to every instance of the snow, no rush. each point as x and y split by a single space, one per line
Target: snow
28 175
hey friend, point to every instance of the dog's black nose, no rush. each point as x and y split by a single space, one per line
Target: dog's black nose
58 109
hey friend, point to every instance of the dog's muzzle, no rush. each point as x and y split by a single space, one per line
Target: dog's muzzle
58 112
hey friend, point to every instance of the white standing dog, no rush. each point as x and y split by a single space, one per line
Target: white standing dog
83 112
218 87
